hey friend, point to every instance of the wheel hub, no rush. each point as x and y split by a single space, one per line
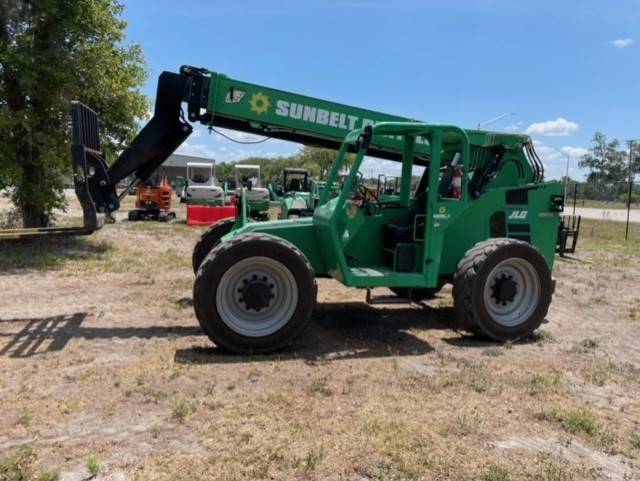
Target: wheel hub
504 289
256 292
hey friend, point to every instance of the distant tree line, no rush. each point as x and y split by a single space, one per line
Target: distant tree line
318 161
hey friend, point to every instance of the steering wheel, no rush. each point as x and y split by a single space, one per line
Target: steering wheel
367 195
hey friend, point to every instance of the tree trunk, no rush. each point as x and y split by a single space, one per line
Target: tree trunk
33 212
32 216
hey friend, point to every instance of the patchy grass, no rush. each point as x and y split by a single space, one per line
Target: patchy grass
589 345
25 417
494 472
584 422
578 421
313 459
539 384
181 411
600 373
319 386
608 236
493 352
51 253
543 336
49 475
379 393
93 465
556 471
18 466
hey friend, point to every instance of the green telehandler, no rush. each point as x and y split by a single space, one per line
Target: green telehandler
481 217
388 188
293 192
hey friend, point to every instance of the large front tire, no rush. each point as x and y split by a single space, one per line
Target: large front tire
502 289
254 293
208 240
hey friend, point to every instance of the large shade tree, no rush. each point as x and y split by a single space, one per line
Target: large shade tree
606 160
53 52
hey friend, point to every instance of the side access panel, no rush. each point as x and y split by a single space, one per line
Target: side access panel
524 213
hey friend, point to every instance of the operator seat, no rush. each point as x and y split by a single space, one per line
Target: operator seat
295 185
404 233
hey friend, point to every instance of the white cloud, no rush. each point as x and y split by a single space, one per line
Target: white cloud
555 160
196 150
559 127
574 151
371 167
623 42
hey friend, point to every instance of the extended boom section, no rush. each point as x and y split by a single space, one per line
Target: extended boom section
218 101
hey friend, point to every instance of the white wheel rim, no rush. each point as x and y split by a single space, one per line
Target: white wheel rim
511 309
268 275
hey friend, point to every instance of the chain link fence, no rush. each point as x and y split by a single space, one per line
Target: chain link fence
607 209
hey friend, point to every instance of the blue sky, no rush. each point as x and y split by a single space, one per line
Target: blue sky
564 68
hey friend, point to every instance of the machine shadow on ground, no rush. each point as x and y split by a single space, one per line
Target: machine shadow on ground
42 335
337 331
345 330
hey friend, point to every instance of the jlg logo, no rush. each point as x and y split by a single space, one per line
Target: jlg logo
518 214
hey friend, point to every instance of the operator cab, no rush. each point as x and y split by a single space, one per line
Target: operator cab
382 227
201 185
248 177
293 180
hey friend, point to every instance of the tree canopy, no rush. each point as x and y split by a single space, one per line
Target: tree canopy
607 161
53 52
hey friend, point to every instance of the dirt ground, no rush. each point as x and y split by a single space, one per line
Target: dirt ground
104 372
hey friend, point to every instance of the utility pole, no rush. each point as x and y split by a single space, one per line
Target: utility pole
626 233
566 178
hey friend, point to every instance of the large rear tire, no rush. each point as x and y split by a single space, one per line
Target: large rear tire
254 293
502 289
208 240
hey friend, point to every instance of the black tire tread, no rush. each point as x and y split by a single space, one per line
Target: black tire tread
232 244
464 279
206 242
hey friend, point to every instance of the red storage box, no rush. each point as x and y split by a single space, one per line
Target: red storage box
208 215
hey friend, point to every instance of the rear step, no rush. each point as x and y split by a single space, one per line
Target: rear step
385 299
87 160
